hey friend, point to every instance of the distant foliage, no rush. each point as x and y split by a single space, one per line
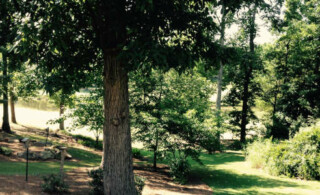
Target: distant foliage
88 112
53 184
136 153
236 145
298 157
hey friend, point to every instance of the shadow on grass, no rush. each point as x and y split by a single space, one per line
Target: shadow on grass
221 158
222 180
85 158
227 182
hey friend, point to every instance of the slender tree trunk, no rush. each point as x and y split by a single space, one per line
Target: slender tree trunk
62 108
102 158
5 122
13 112
118 168
220 75
248 74
244 113
155 154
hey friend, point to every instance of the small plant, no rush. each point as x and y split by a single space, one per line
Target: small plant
179 169
54 184
97 182
5 151
136 153
139 182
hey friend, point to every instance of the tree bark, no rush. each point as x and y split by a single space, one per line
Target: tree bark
13 112
248 75
5 122
118 168
62 108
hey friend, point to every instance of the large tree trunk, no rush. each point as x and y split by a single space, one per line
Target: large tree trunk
5 122
118 168
13 112
62 108
248 76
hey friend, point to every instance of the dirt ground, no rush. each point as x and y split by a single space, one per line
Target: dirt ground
157 183
16 185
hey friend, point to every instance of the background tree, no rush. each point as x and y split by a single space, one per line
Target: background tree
295 60
9 10
24 84
172 111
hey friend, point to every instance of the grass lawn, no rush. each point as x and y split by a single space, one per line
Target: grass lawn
229 173
225 173
84 159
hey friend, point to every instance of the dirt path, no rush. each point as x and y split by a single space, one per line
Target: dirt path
159 183
16 185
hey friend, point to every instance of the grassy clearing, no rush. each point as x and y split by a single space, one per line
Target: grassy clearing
229 173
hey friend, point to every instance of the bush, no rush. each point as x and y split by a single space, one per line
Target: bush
97 182
209 141
257 152
236 145
54 184
179 169
5 151
298 157
136 153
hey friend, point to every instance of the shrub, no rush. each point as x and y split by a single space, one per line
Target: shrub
257 152
97 182
139 181
209 141
54 184
236 145
5 151
179 169
298 157
136 153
